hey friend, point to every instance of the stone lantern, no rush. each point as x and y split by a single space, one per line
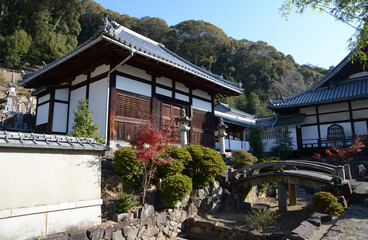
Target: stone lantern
222 134
183 126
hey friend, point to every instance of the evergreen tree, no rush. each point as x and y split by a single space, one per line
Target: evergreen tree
254 104
284 143
256 143
84 125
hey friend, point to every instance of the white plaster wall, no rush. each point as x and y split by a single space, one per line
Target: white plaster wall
44 98
334 117
164 92
97 103
359 104
310 119
270 143
333 107
62 94
182 97
360 114
201 93
60 117
100 69
346 126
75 96
200 104
181 87
360 128
308 110
79 79
164 81
133 86
310 132
135 72
361 74
42 114
48 191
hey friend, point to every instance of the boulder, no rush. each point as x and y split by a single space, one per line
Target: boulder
95 233
78 235
244 207
147 211
304 231
360 171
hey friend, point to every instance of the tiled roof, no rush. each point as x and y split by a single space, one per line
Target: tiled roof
35 140
320 93
146 47
222 107
278 121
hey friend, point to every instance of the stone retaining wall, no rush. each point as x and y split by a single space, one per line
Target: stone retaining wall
142 224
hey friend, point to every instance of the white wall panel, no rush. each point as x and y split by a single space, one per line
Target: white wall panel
97 103
308 110
62 94
334 117
79 79
75 96
135 72
310 119
200 104
164 92
133 86
360 128
182 97
360 114
361 74
44 98
201 93
359 104
164 81
60 117
100 69
310 132
333 107
181 87
42 114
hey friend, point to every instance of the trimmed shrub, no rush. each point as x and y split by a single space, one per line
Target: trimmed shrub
175 188
260 220
124 202
181 157
126 164
328 203
205 165
268 159
242 158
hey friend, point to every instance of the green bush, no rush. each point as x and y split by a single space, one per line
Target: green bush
126 164
181 157
258 219
326 202
205 165
242 158
175 188
255 142
268 159
124 202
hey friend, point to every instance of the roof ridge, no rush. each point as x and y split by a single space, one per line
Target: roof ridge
138 35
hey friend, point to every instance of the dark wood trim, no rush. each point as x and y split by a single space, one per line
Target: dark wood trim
170 100
112 108
132 94
299 140
214 122
122 74
129 120
98 77
351 120
88 83
67 119
173 89
190 113
51 111
332 122
43 103
43 93
319 129
37 112
61 101
153 93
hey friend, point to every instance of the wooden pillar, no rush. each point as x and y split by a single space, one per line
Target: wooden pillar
282 196
319 129
190 114
292 194
351 120
51 111
112 108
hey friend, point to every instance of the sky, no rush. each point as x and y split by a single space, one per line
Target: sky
311 38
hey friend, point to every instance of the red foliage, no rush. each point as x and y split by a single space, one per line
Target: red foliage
339 154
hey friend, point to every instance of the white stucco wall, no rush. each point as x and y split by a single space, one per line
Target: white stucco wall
135 72
164 81
133 86
97 103
203 105
48 191
182 97
62 94
75 96
100 69
359 104
60 117
79 79
42 114
270 143
201 93
360 128
44 98
181 87
163 92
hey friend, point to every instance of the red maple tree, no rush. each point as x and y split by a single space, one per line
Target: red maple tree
340 154
152 144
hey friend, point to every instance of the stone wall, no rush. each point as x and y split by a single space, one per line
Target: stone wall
141 224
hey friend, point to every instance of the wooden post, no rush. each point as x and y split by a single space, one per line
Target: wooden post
292 194
282 196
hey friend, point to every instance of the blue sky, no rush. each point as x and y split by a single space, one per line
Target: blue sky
311 37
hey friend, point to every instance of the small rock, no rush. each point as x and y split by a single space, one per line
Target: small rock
360 171
133 234
78 235
304 231
323 216
192 210
95 233
260 206
206 204
117 235
121 217
147 211
127 230
315 220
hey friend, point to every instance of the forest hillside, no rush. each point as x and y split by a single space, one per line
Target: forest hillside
37 32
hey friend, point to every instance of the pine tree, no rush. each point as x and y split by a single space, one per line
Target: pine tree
84 125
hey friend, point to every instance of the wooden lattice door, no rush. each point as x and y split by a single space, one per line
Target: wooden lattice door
169 113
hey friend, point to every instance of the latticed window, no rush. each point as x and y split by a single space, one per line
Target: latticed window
335 132
132 107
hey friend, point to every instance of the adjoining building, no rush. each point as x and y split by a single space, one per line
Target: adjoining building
127 78
335 108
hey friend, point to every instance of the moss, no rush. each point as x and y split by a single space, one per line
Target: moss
326 202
